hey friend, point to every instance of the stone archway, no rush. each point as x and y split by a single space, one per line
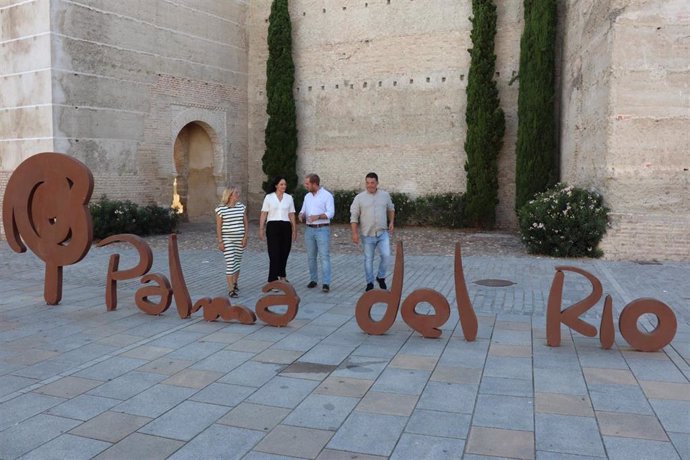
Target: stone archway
195 184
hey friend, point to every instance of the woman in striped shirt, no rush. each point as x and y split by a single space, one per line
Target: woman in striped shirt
232 232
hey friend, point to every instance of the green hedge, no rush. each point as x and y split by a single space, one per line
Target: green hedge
437 210
113 217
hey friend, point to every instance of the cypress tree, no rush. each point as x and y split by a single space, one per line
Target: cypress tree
280 156
535 168
485 119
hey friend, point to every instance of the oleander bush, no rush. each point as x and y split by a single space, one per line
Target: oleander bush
112 217
564 221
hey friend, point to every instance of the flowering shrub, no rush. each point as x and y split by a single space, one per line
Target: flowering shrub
564 221
111 217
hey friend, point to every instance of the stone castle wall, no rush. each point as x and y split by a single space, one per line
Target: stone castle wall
118 80
380 86
626 99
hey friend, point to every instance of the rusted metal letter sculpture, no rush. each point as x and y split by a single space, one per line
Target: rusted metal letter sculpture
220 307
289 298
571 315
45 205
162 289
661 336
468 318
182 299
114 275
390 297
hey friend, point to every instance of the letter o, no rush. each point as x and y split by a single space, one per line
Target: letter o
660 336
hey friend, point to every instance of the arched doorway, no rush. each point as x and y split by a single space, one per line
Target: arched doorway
194 188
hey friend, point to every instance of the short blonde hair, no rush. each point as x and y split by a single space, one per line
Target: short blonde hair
228 192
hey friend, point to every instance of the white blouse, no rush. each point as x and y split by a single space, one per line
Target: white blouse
278 209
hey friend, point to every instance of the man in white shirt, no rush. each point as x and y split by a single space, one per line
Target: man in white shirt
317 211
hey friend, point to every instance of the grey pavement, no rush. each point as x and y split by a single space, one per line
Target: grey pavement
77 381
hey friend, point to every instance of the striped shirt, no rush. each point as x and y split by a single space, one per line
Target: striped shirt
233 221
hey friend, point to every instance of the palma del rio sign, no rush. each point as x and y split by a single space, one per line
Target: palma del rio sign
46 208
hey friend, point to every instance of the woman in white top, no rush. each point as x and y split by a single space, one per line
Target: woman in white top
278 219
231 231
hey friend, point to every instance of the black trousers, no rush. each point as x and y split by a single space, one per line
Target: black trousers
279 241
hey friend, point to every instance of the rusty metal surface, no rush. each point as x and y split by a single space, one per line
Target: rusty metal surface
289 298
390 297
427 325
571 315
45 208
659 337
468 318
183 301
114 275
162 289
220 307
607 333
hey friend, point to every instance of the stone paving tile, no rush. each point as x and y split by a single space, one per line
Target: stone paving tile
630 426
322 412
564 381
507 412
421 446
627 449
508 367
422 363
361 367
222 361
619 398
219 441
517 351
185 420
343 386
506 387
30 434
375 434
452 374
595 376
147 352
681 441
196 351
68 387
255 416
283 392
448 397
165 366
666 390
252 373
127 385
192 378
155 401
249 346
11 383
674 415
111 368
68 446
277 356
568 435
25 406
110 426
83 407
436 423
387 403
500 443
294 441
142 446
405 381
329 454
661 371
223 394
563 404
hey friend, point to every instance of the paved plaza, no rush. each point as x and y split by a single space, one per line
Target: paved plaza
77 381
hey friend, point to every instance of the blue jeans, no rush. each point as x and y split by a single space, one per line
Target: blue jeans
318 242
370 243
